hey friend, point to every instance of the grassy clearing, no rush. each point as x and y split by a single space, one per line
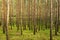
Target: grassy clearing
27 35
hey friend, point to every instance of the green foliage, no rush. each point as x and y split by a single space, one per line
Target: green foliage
27 35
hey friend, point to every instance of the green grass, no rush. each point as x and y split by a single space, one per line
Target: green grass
27 35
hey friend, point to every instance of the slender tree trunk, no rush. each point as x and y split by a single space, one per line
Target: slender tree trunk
7 20
5 6
39 12
11 12
34 17
3 15
22 1
56 18
46 14
29 15
18 11
51 20
57 15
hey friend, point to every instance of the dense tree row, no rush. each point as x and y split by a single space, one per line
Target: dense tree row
35 15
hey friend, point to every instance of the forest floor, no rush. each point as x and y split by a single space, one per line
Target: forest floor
28 35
